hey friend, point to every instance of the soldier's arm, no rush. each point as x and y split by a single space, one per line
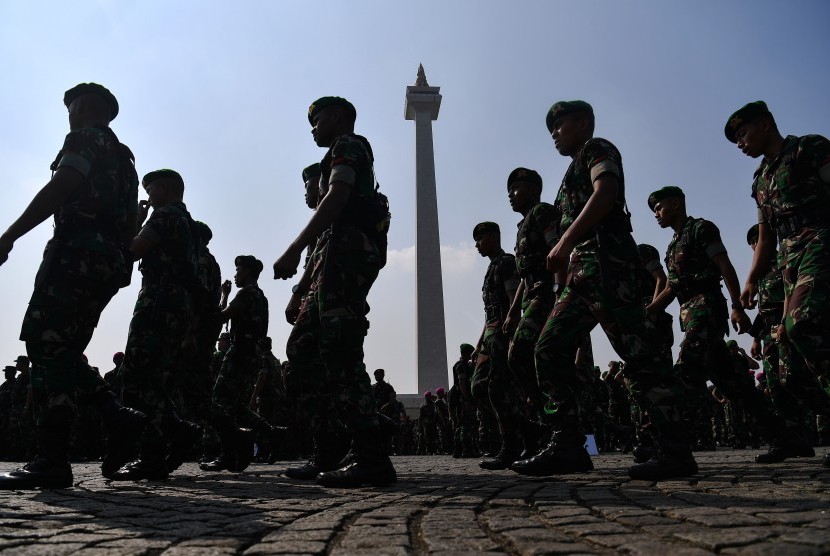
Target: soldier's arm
660 280
45 203
764 250
739 318
598 206
661 300
328 211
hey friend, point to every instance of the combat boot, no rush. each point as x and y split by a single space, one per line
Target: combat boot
371 465
51 467
789 446
508 453
673 459
123 427
530 439
149 468
564 454
643 453
328 451
186 436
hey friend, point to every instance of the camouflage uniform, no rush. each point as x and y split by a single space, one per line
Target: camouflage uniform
325 347
602 287
464 418
695 280
383 393
6 393
793 199
536 236
428 420
492 381
161 320
83 267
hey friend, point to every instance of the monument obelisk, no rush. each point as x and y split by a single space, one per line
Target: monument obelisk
422 104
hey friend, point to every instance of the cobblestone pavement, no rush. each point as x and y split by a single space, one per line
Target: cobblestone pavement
438 505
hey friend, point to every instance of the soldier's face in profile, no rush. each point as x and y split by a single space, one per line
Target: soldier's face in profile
750 138
567 133
665 211
312 192
522 195
324 126
74 115
242 277
486 244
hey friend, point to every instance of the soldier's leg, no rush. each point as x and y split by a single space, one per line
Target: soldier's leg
566 328
521 357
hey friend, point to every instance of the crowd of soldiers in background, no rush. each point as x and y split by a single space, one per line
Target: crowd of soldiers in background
615 422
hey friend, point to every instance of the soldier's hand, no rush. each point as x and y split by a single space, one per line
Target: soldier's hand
286 265
740 321
652 312
5 248
226 287
509 326
292 310
748 296
559 256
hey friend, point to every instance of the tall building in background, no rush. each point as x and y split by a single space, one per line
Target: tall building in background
422 105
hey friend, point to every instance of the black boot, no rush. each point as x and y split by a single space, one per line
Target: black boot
643 453
789 445
145 467
236 448
672 460
508 453
123 426
371 465
186 436
530 439
565 454
328 451
50 468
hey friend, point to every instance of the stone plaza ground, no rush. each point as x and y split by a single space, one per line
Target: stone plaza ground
439 504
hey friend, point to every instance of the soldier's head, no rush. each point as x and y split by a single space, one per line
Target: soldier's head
248 269
118 358
331 117
205 233
224 341
264 345
571 124
466 351
439 392
488 238
524 189
9 372
428 396
379 374
668 205
90 105
752 128
22 363
732 345
752 236
311 179
163 187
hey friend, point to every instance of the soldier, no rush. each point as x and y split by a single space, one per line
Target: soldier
598 253
537 234
6 394
93 196
111 377
428 421
382 390
492 383
466 426
791 190
326 343
248 314
697 261
168 246
443 413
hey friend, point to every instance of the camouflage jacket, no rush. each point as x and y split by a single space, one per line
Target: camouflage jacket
173 262
250 321
537 234
650 260
691 270
608 252
383 393
501 276
95 215
790 184
210 275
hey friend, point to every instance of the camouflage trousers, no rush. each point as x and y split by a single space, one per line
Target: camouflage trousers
704 356
631 335
233 389
161 320
325 347
520 357
793 388
72 288
492 381
805 263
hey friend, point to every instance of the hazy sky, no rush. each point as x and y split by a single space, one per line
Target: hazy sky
220 91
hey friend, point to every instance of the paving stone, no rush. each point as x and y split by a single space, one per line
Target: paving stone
287 547
716 539
777 549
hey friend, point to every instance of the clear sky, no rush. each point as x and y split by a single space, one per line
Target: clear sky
220 91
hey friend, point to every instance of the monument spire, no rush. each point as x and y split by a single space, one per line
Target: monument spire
422 105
